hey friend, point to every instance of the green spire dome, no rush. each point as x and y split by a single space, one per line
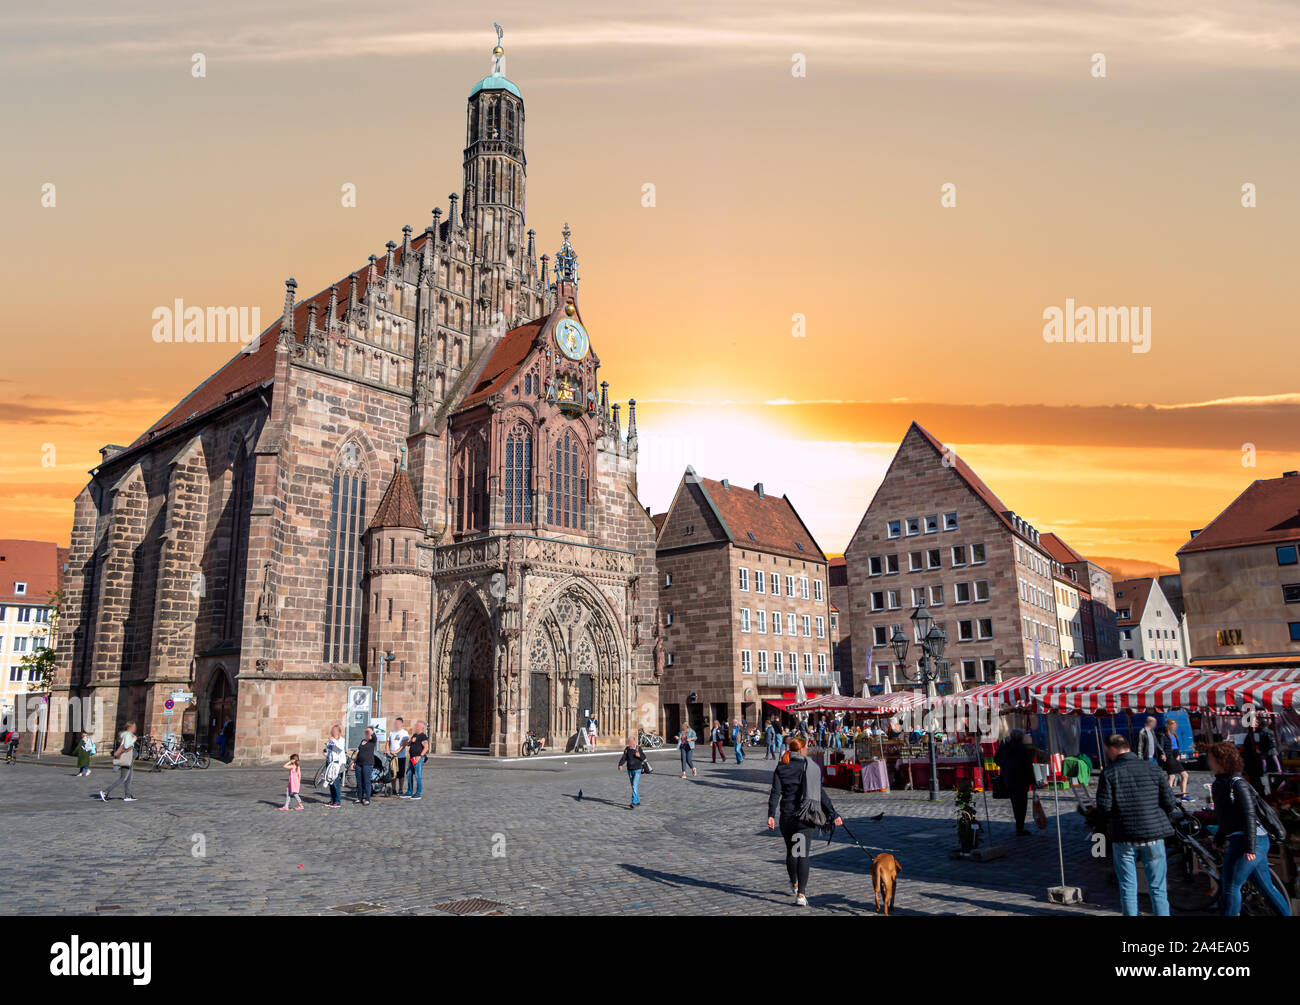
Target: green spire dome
496 80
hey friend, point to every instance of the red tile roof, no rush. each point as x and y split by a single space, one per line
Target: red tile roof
658 520
1059 550
398 507
505 361
1267 512
1133 594
255 364
765 522
35 563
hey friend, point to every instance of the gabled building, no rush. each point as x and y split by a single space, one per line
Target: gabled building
745 609
934 533
1240 579
1149 627
418 461
29 582
1096 600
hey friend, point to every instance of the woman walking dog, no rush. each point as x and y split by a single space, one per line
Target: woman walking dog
800 805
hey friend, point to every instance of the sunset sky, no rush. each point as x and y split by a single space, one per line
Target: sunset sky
775 195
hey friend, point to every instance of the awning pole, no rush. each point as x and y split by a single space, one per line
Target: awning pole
1056 799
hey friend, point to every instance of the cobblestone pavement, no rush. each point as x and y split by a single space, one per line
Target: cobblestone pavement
514 834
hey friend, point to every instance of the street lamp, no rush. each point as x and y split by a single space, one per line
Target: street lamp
933 639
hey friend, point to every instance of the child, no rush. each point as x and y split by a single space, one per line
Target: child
85 751
295 783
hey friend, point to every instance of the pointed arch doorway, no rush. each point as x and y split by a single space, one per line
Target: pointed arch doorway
467 680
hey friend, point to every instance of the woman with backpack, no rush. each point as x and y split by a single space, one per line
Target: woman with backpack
800 805
1238 813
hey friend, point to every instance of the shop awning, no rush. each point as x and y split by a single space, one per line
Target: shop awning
779 703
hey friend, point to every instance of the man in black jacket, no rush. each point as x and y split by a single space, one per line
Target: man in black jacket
1137 802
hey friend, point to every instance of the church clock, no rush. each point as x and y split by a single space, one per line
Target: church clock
571 337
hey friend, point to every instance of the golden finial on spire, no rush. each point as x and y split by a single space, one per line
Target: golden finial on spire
497 50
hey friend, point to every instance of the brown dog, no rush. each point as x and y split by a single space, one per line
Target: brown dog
884 875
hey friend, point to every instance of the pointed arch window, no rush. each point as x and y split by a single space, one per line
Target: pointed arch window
343 584
566 504
519 476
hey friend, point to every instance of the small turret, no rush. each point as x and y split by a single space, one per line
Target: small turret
286 339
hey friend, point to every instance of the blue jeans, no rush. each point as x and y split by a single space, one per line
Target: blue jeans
415 778
1153 863
771 751
740 754
336 789
364 783
688 759
1237 872
634 776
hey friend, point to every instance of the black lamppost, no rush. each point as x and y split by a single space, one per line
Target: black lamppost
933 639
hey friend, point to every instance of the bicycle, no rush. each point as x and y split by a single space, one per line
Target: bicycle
172 758
1194 887
651 741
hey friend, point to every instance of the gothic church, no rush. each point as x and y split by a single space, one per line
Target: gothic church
417 471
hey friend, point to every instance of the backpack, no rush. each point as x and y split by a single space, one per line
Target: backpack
1265 815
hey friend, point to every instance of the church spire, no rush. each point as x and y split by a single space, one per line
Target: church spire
566 260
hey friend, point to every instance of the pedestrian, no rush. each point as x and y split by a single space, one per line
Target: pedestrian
12 737
796 785
418 748
738 735
1136 800
1245 843
821 731
634 758
1260 754
123 764
1171 760
1148 745
364 762
293 790
1015 758
769 737
397 741
336 759
228 735
715 743
85 751
686 744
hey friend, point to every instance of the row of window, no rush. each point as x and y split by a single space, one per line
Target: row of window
1034 595
968 630
959 555
20 643
914 525
779 662
1037 631
40 615
758 621
976 591
16 674
1033 561
974 670
763 582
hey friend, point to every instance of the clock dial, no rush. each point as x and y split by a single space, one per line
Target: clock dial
571 337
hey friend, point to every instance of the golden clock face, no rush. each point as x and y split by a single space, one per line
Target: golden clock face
572 339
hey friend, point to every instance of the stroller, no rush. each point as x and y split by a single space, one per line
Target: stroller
381 773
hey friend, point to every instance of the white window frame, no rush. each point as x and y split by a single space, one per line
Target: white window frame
743 585
760 581
760 619
776 622
746 662
821 627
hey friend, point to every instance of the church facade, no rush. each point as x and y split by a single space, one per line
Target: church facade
418 473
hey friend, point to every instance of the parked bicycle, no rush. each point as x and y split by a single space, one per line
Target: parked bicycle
1193 884
533 744
172 757
651 741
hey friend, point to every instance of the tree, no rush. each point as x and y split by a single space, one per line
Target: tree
40 663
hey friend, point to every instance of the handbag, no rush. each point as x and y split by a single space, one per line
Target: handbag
1040 815
1000 790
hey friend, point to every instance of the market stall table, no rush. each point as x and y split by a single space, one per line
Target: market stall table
952 771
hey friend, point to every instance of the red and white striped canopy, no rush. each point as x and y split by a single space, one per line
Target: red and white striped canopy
1194 690
1270 695
876 704
1053 690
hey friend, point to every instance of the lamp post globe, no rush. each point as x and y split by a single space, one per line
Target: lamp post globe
922 622
899 644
